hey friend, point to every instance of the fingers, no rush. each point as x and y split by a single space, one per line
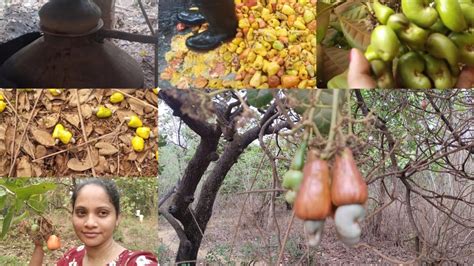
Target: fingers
358 75
466 78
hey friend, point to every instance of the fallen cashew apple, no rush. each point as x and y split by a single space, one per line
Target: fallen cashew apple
138 143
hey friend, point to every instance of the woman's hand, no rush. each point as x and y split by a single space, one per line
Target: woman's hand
38 253
359 74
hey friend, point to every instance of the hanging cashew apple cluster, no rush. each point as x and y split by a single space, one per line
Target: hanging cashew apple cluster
428 41
275 44
324 191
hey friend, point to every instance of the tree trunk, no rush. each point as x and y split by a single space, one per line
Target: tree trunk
210 188
108 12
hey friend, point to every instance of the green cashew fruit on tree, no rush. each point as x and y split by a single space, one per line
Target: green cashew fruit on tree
465 43
425 46
420 12
411 67
385 42
451 14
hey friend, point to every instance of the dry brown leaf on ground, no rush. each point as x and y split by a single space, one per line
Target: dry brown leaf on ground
102 166
86 111
73 119
106 148
40 151
29 148
83 97
43 137
79 166
23 167
48 121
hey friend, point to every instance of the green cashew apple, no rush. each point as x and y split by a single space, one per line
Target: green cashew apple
420 12
439 72
465 43
382 12
439 27
292 179
34 228
410 71
451 14
398 22
385 42
467 8
290 196
414 36
442 47
383 73
298 160
371 53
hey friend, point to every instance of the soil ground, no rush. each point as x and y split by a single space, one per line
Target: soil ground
251 247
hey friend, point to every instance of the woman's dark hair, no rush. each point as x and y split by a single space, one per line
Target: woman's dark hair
107 184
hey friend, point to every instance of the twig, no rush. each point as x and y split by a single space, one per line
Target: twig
280 255
260 191
195 220
16 124
24 133
392 260
146 18
302 257
379 209
84 133
243 207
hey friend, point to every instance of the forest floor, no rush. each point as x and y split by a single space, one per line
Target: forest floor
255 242
20 17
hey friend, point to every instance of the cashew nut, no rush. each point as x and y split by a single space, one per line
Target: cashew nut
314 230
347 220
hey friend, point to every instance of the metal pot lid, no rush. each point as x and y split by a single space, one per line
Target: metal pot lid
71 18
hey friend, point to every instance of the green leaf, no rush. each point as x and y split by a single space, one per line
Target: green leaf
2 201
38 203
25 192
323 17
352 22
21 217
259 98
7 221
338 82
334 61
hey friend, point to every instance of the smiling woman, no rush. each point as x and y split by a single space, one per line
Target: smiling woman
96 215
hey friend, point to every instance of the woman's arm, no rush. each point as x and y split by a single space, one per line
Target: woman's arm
37 257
